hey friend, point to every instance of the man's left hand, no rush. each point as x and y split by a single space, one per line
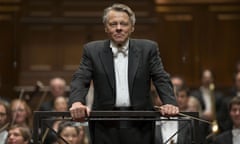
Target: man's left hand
169 110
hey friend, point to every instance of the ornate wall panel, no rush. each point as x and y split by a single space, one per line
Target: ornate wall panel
53 33
44 38
200 35
8 47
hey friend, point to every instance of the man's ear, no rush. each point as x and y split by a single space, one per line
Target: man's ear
105 29
133 28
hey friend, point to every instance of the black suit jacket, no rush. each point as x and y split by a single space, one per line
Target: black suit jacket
224 138
144 65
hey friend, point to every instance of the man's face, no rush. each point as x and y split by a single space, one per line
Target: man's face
207 78
15 137
70 135
57 88
182 100
3 115
118 27
177 82
235 114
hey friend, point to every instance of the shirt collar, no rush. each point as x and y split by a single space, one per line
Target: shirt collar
125 46
236 131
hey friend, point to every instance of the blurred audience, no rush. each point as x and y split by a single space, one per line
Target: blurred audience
177 81
182 95
82 137
57 88
210 98
19 135
231 136
4 121
69 132
60 104
194 105
235 90
21 113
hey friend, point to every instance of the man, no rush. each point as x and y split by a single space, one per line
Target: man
18 135
182 95
177 82
57 89
211 100
121 69
232 136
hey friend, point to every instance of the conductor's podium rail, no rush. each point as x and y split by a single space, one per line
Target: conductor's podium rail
40 118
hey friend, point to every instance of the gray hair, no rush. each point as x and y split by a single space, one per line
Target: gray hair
120 8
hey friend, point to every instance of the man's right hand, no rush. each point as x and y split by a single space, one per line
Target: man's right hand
79 111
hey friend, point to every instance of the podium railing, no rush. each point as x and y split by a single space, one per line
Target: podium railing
41 116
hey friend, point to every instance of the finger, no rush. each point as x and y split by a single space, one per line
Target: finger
173 110
87 112
162 110
76 113
168 110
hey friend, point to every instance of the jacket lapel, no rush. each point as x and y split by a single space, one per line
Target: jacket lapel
107 61
133 61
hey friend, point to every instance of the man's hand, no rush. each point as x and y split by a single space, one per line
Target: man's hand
79 111
168 110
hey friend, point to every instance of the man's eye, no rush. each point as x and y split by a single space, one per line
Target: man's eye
124 24
112 24
121 24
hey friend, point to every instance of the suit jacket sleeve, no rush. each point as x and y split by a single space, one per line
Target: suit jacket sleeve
161 78
81 79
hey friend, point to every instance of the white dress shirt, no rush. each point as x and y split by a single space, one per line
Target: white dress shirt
236 136
121 75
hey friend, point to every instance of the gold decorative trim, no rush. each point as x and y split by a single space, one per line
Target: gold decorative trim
70 67
228 17
9 8
40 67
5 17
229 8
40 13
178 17
81 13
163 9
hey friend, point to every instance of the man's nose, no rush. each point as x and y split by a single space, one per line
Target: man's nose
11 136
238 112
119 26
